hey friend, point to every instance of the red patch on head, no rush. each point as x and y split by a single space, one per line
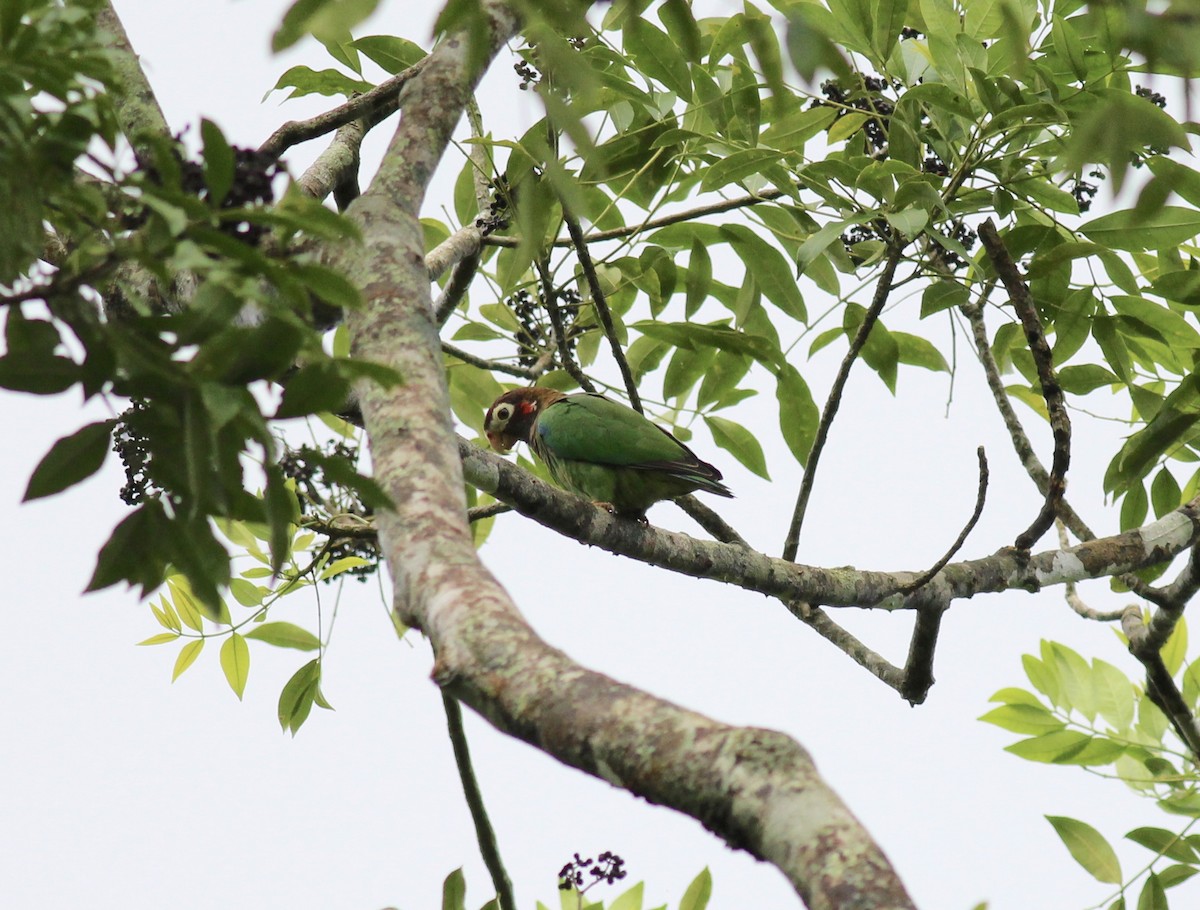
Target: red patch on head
527 407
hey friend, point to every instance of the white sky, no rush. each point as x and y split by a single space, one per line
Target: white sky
118 789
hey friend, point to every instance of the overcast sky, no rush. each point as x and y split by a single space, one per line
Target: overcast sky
119 789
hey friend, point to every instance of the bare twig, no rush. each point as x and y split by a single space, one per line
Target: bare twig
713 523
1173 600
882 289
601 305
484 832
458 246
1074 601
1043 358
1016 432
818 620
550 299
380 102
725 205
478 513
980 498
498 365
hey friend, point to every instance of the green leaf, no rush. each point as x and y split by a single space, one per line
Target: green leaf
657 56
299 693
698 892
739 442
1153 897
1023 719
1175 650
392 53
1165 843
1114 694
71 460
1083 378
630 900
134 553
285 635
1056 746
304 80
798 413
235 662
160 639
1164 493
770 269
454 891
218 162
1130 230
187 656
736 167
1088 847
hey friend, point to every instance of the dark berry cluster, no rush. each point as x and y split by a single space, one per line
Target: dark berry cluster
129 442
537 333
253 175
607 867
867 97
1084 192
964 235
530 77
907 32
496 218
313 487
1152 96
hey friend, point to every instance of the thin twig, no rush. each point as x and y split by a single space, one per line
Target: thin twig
713 523
980 498
725 205
1016 432
1074 601
882 289
478 513
497 365
488 847
1043 358
601 305
818 620
550 299
376 104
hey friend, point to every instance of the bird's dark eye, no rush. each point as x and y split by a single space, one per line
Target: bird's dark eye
504 412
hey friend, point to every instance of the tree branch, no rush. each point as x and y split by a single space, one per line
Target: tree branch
380 102
138 110
489 849
882 288
714 208
1160 686
980 498
757 789
1043 358
337 164
1005 570
601 305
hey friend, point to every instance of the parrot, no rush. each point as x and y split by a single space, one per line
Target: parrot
600 448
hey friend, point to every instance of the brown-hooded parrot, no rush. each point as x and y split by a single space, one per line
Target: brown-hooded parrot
600 448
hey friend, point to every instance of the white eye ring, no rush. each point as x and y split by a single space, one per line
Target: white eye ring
504 412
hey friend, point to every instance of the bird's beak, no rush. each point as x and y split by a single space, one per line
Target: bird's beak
497 442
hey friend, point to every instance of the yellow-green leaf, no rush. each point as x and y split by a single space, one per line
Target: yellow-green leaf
235 662
187 656
1088 847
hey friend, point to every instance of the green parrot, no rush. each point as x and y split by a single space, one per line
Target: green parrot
600 449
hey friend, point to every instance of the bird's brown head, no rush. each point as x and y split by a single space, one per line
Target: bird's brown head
511 417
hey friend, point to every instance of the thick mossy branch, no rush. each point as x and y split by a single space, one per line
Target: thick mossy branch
1005 570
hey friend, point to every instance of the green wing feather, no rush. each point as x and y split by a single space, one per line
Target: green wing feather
592 428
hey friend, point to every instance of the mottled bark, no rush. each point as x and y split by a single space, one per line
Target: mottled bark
757 789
